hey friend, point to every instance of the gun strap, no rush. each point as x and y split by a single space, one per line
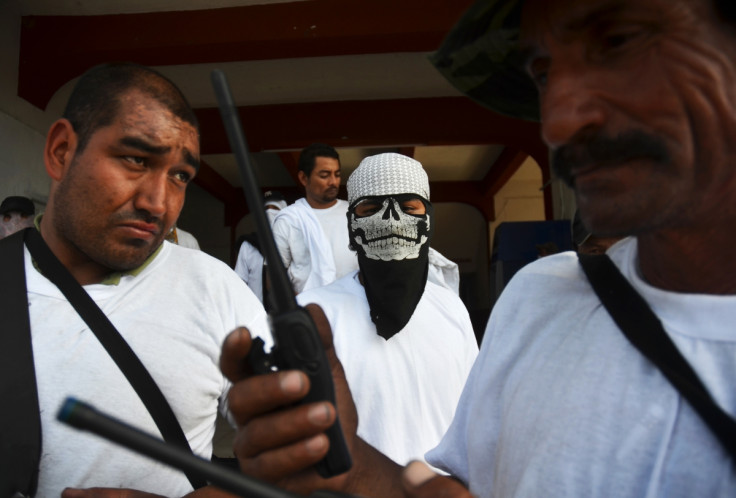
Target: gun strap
20 438
643 329
114 344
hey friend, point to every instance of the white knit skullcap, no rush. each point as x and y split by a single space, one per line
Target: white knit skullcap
388 174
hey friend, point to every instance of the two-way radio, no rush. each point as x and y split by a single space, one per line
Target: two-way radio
296 341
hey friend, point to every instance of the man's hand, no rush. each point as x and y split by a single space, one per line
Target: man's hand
421 482
278 441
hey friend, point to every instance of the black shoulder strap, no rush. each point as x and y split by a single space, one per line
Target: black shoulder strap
20 436
644 330
117 348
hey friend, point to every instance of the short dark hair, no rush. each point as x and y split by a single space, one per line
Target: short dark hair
310 152
95 100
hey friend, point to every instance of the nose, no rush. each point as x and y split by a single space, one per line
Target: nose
334 180
151 196
391 211
570 104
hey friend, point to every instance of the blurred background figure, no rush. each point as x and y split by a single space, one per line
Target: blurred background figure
274 202
182 238
250 263
17 213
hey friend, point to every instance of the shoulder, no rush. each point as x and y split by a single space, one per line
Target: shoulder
563 269
552 284
548 298
563 265
341 290
441 294
441 301
290 216
338 209
203 287
291 208
246 248
183 264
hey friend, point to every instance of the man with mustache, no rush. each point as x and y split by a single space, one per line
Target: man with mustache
310 234
120 161
636 101
406 342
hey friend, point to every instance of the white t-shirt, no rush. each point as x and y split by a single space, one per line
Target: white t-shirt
334 221
559 402
174 314
405 388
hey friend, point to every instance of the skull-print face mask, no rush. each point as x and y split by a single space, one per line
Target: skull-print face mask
389 234
392 247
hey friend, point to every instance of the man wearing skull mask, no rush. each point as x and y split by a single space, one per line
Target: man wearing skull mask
406 343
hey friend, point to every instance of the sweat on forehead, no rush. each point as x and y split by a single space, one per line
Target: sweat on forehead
387 174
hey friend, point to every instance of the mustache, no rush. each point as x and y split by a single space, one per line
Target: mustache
142 216
601 150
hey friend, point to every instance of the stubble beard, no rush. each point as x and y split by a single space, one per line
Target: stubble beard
70 224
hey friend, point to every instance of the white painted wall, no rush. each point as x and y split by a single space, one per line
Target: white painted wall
22 126
21 162
521 199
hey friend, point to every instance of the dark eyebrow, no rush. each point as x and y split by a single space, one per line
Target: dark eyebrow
191 160
143 146
157 150
593 18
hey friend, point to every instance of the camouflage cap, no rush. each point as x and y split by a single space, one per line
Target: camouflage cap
480 57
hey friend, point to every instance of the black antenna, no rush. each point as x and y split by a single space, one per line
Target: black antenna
283 298
83 416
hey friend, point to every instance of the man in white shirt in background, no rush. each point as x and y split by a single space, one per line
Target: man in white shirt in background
311 234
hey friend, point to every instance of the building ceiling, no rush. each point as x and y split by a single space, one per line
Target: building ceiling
351 73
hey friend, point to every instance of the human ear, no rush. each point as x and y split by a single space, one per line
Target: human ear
61 143
302 178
